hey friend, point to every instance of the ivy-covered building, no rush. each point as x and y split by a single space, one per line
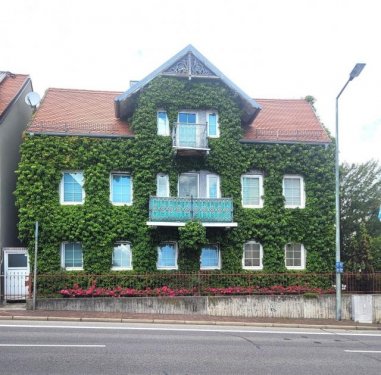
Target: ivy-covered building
183 171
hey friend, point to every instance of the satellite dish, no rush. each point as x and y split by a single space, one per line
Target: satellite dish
32 99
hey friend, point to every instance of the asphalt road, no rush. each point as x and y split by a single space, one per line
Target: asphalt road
107 348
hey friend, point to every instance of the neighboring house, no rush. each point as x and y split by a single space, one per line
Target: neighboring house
114 178
14 117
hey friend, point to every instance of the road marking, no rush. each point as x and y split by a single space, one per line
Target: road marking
165 329
363 351
53 345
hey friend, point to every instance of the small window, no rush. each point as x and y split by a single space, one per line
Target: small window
293 191
162 123
295 257
252 256
210 258
162 185
252 191
71 256
213 186
122 257
167 256
121 189
213 129
71 188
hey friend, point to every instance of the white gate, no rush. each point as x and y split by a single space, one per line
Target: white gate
16 273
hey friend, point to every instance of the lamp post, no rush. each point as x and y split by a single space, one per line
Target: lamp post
354 73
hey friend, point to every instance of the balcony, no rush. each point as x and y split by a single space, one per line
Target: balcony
190 139
178 211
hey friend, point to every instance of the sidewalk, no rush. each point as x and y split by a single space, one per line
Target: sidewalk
17 311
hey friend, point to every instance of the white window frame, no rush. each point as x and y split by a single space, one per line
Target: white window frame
198 183
63 256
111 191
166 131
302 255
260 178
167 192
218 267
217 124
260 267
208 185
62 189
114 268
175 267
302 191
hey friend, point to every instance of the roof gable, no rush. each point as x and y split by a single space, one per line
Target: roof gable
188 63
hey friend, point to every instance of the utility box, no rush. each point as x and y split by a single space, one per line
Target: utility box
362 308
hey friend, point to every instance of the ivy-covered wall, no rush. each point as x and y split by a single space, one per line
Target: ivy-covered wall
97 224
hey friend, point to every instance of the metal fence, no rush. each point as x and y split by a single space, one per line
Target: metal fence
19 287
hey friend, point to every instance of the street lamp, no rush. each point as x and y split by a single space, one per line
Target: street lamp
339 267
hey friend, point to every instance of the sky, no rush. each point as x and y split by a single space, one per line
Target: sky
281 49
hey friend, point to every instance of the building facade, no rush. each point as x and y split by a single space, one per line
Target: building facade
183 171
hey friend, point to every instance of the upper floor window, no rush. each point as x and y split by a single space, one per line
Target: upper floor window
293 191
252 190
213 128
167 256
122 256
71 256
252 256
199 185
162 123
210 257
121 189
71 188
162 185
295 256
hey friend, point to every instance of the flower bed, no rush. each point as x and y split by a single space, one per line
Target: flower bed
118 291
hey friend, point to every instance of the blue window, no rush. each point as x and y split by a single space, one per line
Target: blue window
213 130
210 257
121 189
187 118
167 256
71 256
71 188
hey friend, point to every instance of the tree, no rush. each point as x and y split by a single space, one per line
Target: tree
360 192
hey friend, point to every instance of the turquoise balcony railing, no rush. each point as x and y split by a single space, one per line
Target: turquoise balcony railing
186 209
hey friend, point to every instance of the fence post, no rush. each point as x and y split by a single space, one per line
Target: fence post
35 265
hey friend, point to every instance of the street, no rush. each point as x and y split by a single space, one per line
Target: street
28 347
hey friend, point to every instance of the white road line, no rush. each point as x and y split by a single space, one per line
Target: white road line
52 345
165 329
363 351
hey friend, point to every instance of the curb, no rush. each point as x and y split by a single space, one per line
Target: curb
187 322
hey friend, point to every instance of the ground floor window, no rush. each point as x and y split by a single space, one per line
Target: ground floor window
252 256
122 256
167 256
71 256
210 257
295 257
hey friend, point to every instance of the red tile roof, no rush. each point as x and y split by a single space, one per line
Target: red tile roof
82 112
10 87
78 112
284 120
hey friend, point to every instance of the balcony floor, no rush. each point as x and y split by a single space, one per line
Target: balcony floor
182 224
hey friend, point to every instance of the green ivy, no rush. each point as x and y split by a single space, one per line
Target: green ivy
97 224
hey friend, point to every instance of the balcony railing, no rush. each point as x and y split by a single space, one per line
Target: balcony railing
181 210
190 136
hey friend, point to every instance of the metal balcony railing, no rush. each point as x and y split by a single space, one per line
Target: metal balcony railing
185 209
190 136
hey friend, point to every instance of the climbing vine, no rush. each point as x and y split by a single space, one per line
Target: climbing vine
97 224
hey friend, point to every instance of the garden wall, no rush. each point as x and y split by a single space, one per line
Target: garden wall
274 306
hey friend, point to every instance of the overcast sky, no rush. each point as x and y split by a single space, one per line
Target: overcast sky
269 48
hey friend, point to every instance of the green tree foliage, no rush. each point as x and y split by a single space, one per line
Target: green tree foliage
360 192
97 224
